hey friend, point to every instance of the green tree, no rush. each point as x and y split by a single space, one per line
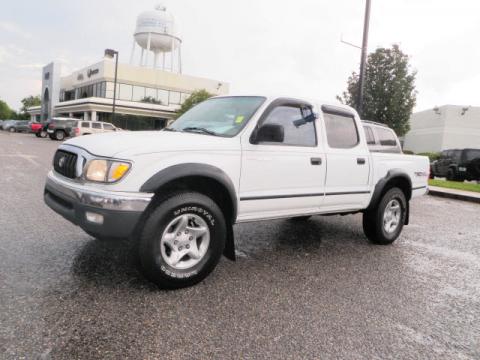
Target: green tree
30 101
195 98
5 111
389 93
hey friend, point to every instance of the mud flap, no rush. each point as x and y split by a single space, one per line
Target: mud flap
407 213
229 251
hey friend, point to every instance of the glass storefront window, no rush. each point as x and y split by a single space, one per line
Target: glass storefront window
138 93
174 97
162 96
125 92
151 93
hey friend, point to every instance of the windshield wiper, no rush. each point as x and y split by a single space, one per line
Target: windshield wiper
200 129
168 129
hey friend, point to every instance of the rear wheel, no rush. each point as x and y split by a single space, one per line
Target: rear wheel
59 135
383 224
12 130
182 240
43 134
37 134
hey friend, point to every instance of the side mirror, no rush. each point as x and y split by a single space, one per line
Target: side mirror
270 133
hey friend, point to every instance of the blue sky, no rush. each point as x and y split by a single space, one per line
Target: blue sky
256 46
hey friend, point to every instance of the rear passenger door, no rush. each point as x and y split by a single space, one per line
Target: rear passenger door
348 161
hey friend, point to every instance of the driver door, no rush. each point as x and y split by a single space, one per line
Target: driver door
283 178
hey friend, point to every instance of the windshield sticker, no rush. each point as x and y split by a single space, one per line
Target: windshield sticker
239 119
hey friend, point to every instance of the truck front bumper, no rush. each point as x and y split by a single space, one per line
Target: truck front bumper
98 212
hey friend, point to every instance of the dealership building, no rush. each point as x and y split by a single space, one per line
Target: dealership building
442 128
148 90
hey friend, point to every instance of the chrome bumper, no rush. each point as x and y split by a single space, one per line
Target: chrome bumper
101 199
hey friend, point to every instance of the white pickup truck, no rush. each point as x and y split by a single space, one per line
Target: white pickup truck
229 160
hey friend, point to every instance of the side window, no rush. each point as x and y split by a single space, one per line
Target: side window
107 126
96 125
369 135
297 130
386 137
341 130
85 124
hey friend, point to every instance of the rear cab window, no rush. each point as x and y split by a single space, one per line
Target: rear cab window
388 140
96 125
341 128
85 124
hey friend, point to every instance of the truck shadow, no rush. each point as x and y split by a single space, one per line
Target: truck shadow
115 263
110 263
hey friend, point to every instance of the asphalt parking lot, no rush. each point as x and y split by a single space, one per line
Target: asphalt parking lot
316 290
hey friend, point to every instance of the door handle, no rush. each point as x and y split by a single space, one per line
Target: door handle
361 161
316 161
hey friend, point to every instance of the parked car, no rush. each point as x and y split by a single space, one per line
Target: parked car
18 126
7 124
457 165
380 138
35 128
60 128
1 124
92 127
229 160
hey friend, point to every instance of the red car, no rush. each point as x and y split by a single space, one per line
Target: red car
38 129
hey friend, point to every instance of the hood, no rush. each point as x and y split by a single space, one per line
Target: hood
129 143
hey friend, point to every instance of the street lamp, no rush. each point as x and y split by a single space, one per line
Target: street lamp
111 53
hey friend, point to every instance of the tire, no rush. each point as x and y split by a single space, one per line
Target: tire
451 175
373 221
59 135
301 218
12 130
37 134
43 134
170 229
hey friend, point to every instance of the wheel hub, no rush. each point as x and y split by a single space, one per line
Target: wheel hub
185 241
391 216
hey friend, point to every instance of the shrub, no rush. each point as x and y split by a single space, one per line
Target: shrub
431 155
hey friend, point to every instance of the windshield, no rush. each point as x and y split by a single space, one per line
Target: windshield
224 116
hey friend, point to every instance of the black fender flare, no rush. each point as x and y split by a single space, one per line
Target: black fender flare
178 171
380 186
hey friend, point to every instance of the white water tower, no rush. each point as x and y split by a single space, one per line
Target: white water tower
156 33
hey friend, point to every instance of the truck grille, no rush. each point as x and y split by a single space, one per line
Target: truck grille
64 163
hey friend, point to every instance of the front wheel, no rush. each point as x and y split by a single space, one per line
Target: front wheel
43 134
383 224
182 240
12 130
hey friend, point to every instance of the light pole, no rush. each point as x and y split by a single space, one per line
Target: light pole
363 57
363 61
111 53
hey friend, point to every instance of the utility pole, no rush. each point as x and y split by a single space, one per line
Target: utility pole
363 60
111 53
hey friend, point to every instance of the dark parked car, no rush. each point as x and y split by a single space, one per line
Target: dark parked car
60 128
17 126
458 165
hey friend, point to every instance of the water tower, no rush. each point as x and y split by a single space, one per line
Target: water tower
156 33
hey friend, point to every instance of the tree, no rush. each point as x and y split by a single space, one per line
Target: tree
151 100
194 99
5 111
29 102
389 93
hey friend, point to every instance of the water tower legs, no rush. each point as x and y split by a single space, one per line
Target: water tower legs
132 54
141 57
148 48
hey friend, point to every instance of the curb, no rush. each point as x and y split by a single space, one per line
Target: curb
449 195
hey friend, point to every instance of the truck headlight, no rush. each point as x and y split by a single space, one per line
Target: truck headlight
107 171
